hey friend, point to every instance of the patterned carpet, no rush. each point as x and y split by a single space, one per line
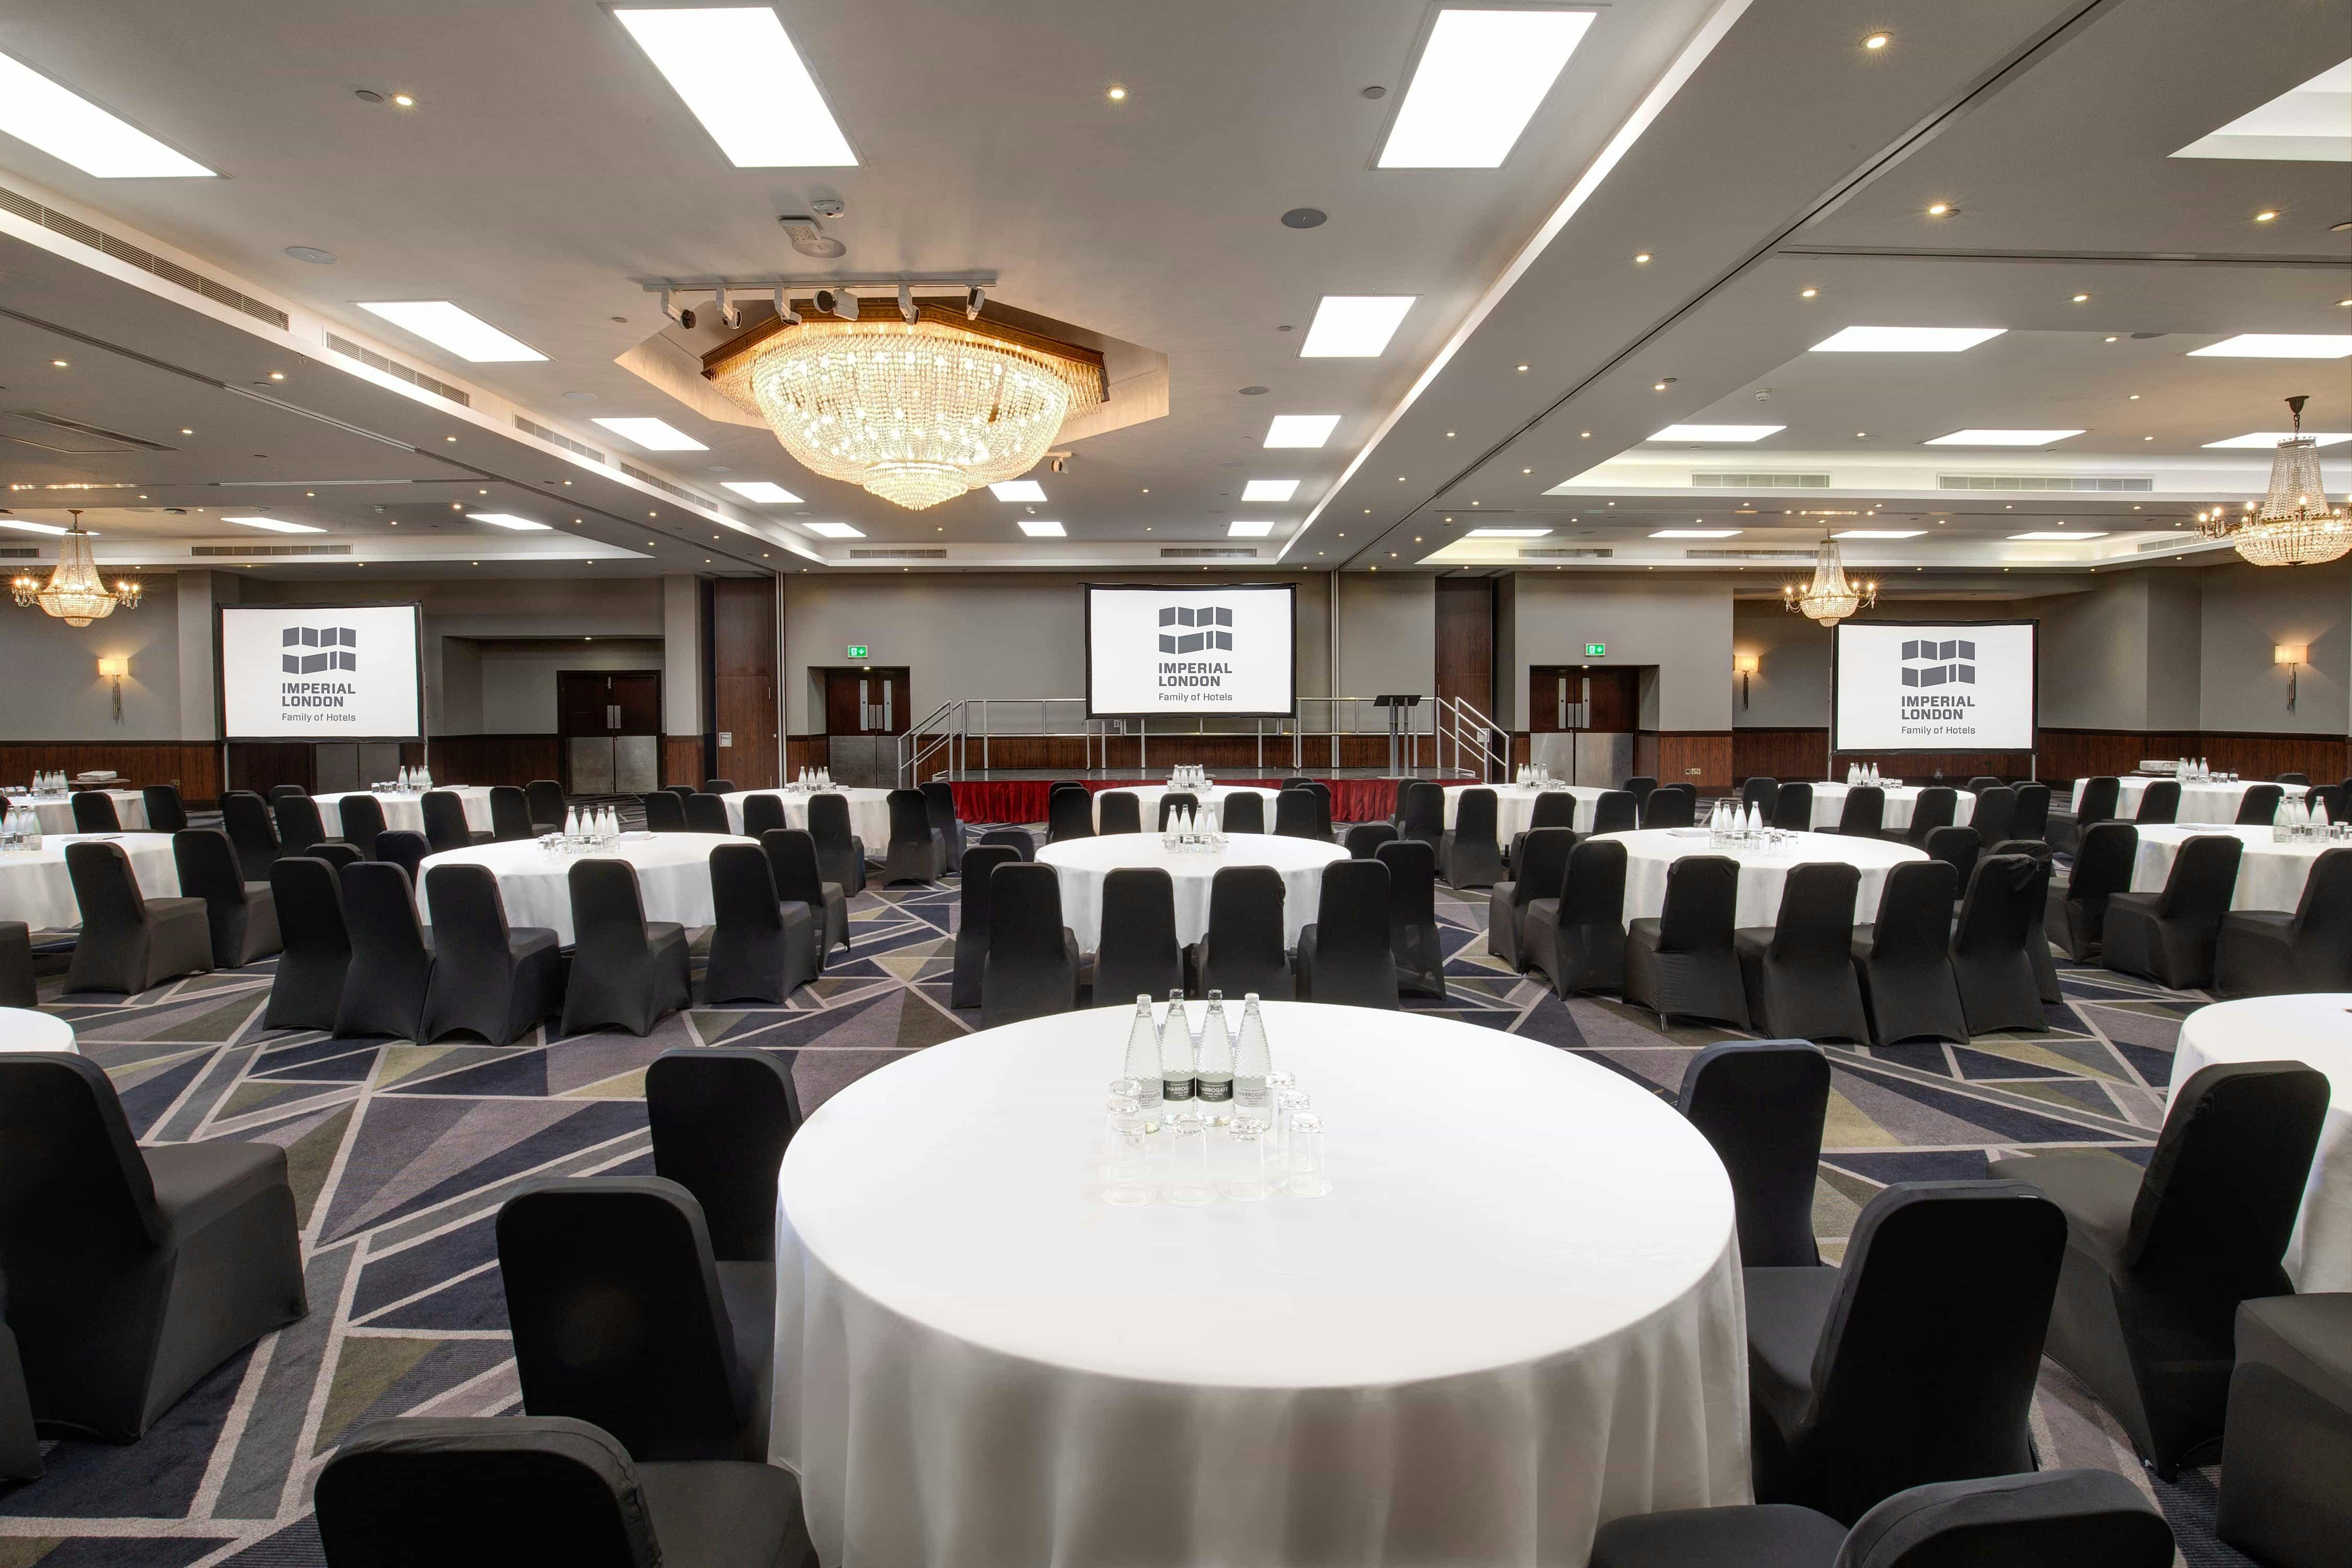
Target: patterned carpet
401 1154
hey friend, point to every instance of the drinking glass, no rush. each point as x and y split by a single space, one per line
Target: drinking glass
1245 1174
1288 1104
1191 1182
1305 1157
1128 1173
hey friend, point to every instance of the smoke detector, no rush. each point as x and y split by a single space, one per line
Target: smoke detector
810 241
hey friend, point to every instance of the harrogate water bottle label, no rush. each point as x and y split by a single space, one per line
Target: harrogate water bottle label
1176 1090
1216 1091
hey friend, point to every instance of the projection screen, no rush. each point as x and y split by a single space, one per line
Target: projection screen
322 672
1933 686
1155 652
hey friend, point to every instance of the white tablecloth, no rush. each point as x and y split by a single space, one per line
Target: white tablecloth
869 813
1083 863
1515 1316
404 812
57 812
36 887
673 878
1515 806
21 1029
2318 1031
2270 876
1650 852
1902 800
2216 803
1147 801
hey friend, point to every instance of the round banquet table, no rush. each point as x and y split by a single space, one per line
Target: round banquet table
673 877
1763 870
21 1029
2214 803
36 887
404 810
2316 1030
869 812
1515 806
56 813
1081 864
2270 876
1902 800
1515 1316
1147 800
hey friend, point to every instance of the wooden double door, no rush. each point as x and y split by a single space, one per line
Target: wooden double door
609 725
865 710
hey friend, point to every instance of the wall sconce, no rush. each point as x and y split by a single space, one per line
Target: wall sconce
114 669
1746 665
2289 654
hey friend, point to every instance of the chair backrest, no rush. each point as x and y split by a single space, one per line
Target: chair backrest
1474 816
608 912
1351 930
1926 1367
1914 910
445 821
1760 792
1702 894
1138 932
1865 811
1297 815
1593 894
706 813
1983 783
2098 799
93 812
402 847
309 899
910 817
1934 807
1412 881
763 812
1670 806
682 791
2161 802
359 818
1244 811
1956 847
2047 1519
483 1491
2293 778
470 914
286 789
2197 889
510 815
2258 805
719 786
380 912
1246 914
1069 814
1817 913
1639 786
828 820
1762 1105
1543 865
1424 811
1024 917
665 813
1996 807
743 894
721 1118
1322 794
2324 915
1016 839
1792 807
2103 863
1122 811
939 796
2000 905
546 798
1617 811
103 885
1173 801
2032 817
207 865
792 860
74 1179
979 863
165 811
2221 1194
1553 808
299 826
613 1296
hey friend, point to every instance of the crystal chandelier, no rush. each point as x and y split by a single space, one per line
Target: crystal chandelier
1831 596
75 593
2295 526
916 407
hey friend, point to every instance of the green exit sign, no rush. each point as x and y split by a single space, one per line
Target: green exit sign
858 651
1596 650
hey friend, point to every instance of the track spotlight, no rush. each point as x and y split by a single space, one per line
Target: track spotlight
974 298
728 313
784 311
907 312
838 302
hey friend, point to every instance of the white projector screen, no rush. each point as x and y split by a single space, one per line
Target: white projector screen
322 672
1164 652
1933 686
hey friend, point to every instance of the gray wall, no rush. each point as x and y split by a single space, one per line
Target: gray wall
2247 611
1681 626
517 679
49 686
1388 642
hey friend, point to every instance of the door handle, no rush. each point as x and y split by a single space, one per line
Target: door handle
612 715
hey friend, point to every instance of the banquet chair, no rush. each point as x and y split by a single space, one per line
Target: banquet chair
1467 854
2304 779
489 978
242 917
1031 969
626 971
972 918
130 941
446 827
721 1117
2268 953
17 986
278 790
1792 808
1935 807
2169 935
939 800
1243 949
1761 1104
1364 839
1345 957
403 847
1863 815
1322 794
336 853
359 818
761 947
1903 957
165 811
1914 1361
2050 1519
665 813
801 879
1760 792
1424 813
2259 805
1999 913
1538 867
1298 815
1552 808
20 1445
1983 783
706 813
2158 1259
307 992
132 1272
2032 818
1679 962
1639 786
245 817
1172 802
1617 811
1577 940
1799 970
1414 938
2159 803
1070 814
682 791
1956 847
613 1296
93 812
2037 938
2067 824
2289 1425
1139 955
915 853
1016 839
1670 806
547 803
2075 914
1995 808
509 817
1121 811
1244 811
391 957
717 786
488 1491
840 853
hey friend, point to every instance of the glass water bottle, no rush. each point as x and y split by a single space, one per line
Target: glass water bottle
1252 1061
1176 1058
1212 1074
1143 1062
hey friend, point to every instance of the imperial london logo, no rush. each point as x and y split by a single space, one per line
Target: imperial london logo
1927 662
1211 631
318 651
1930 668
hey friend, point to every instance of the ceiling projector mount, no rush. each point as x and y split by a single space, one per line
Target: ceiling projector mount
837 297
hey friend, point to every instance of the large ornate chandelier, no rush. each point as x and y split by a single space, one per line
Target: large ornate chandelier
2295 526
75 593
1831 596
917 408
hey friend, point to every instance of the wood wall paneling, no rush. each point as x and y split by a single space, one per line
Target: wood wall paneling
1465 641
191 766
682 761
1699 757
2065 756
743 674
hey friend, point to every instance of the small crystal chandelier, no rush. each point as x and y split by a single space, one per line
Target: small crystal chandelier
75 593
1831 596
2295 526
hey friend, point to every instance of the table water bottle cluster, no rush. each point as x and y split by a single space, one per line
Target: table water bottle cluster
1537 776
1194 778
46 786
412 781
1196 1119
2304 821
588 832
1187 833
808 781
1862 773
22 828
1728 826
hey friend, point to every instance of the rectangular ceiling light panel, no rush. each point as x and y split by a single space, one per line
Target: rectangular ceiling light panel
1480 79
2311 123
508 520
1881 534
737 70
273 525
451 327
1905 340
2058 535
1693 532
834 530
1269 489
765 491
1506 533
21 526
1301 430
2268 440
654 435
2280 345
1018 489
72 130
1717 432
2000 437
1238 530
1354 326
1042 527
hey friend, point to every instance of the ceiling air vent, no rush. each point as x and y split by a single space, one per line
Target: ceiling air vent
55 433
1747 555
145 260
415 378
2044 482
20 551
1761 482
239 550
1559 554
1173 552
557 437
664 486
897 555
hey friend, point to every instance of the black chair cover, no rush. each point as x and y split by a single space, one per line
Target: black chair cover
1139 955
2290 1431
2258 807
1639 786
130 941
1618 812
1244 812
1904 958
1121 811
916 854
682 791
20 1445
489 978
1956 847
392 962
445 821
1863 814
626 971
2099 798
707 813
1424 813
1322 794
165 812
2265 954
1995 809
402 848
1031 969
1799 972
1577 940
1762 1105
1243 951
761 949
359 815
242 915
1070 814
762 812
1760 792
971 923
1298 814
547 803
2032 819
246 818
1539 866
939 798
2295 778
1670 806
800 880
18 988
1935 808
1174 800
1792 808
1553 808
2159 803
719 786
1346 956
1414 938
2001 912
2076 912
509 817
1680 962
1983 783
721 1118
1017 840
666 812
840 854
1467 853
277 791
1364 839
2037 939
2169 936
93 812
